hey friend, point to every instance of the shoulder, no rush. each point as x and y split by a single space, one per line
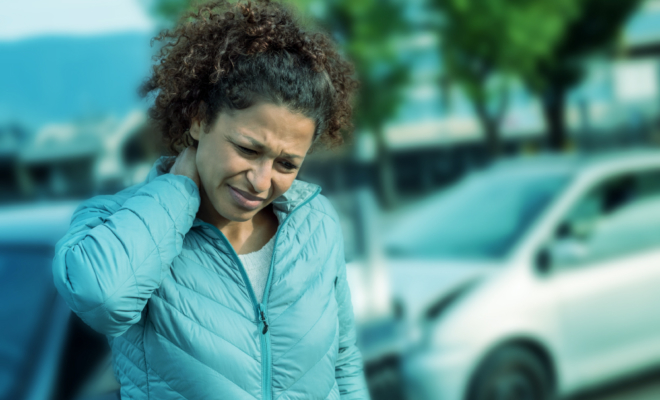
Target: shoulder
321 205
111 203
323 209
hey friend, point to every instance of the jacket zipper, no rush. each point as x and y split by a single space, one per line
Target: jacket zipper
261 309
265 353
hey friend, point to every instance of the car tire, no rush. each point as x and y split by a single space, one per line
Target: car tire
383 378
511 373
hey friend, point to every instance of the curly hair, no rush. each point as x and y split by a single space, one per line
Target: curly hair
226 57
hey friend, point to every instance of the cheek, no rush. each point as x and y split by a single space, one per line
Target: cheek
204 163
282 183
214 162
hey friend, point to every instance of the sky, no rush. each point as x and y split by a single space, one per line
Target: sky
21 19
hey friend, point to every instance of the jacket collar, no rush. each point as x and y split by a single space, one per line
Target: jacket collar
298 193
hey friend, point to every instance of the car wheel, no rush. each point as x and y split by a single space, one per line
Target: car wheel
511 373
383 379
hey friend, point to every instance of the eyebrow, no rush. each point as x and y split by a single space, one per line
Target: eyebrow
260 146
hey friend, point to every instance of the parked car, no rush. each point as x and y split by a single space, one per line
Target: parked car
534 278
46 351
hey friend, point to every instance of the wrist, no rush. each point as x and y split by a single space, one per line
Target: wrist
193 177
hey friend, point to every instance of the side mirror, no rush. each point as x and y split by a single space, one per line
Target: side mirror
561 252
543 261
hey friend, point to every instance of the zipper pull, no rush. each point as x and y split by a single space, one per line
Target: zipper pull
262 317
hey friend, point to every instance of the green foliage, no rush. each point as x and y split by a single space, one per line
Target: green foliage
368 32
506 37
510 37
595 29
167 12
542 43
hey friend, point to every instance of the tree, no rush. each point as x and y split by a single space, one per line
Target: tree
594 30
485 44
368 31
168 11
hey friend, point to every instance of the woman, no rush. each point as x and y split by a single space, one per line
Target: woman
221 276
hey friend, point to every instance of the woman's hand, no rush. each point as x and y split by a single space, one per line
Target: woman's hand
185 165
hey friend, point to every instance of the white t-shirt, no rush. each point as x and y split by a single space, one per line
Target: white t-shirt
257 265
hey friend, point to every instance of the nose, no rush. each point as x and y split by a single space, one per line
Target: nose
260 177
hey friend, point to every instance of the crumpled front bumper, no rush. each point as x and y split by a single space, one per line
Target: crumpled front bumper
435 375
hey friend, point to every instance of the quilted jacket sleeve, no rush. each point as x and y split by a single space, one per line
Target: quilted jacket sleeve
349 366
118 249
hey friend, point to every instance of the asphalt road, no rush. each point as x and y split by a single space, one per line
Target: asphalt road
641 388
385 384
646 388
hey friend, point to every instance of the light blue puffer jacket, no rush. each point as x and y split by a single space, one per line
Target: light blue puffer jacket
182 319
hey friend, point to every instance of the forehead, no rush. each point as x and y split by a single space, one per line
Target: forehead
270 125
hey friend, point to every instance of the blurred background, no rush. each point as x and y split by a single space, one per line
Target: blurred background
500 196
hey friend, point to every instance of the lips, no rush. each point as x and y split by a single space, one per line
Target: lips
245 200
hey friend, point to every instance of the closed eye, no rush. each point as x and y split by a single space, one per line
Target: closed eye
288 165
245 150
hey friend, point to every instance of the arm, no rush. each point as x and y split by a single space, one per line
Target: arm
117 252
349 366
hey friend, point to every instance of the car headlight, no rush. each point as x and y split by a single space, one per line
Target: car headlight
435 310
428 332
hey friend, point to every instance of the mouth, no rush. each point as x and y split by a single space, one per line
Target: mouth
244 199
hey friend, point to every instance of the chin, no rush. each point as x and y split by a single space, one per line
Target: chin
243 217
236 214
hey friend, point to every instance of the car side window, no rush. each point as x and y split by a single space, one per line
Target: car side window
618 217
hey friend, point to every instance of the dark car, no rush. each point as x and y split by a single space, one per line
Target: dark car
46 352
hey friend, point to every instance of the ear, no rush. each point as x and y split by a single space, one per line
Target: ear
195 129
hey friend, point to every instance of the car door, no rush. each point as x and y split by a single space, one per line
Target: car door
606 269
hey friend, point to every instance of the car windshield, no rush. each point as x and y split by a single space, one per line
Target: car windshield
481 218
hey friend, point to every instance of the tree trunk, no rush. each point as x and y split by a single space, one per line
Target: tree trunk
554 102
491 129
385 172
491 126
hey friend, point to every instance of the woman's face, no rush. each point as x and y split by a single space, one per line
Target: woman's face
250 157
